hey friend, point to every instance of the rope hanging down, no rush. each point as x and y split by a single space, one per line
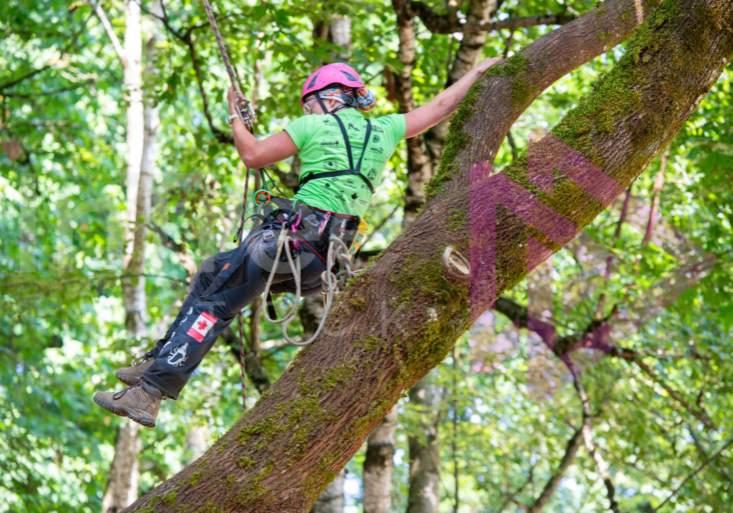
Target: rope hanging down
247 115
246 111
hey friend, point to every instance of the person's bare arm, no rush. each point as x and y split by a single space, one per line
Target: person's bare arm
443 105
254 153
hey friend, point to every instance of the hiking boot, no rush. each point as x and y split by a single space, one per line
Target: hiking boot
130 375
139 402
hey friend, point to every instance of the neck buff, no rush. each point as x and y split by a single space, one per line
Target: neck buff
362 99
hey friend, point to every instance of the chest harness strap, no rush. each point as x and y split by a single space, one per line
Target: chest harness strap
352 170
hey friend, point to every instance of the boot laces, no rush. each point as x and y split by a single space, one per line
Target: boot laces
144 358
118 395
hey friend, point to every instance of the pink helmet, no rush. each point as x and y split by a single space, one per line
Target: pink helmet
337 73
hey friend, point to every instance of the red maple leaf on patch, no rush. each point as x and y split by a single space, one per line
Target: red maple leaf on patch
201 326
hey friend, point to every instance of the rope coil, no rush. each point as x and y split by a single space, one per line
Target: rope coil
333 283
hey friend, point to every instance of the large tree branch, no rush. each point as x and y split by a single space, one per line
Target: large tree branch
450 23
401 316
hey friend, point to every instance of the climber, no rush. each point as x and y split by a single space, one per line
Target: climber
342 157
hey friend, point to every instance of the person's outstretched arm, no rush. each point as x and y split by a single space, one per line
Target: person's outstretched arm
256 154
443 105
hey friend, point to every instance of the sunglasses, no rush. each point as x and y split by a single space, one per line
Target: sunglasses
308 106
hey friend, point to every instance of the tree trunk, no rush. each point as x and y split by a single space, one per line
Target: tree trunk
377 480
142 125
133 288
401 316
425 449
419 170
339 29
123 476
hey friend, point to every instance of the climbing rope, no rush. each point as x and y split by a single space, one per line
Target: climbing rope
333 284
246 111
247 115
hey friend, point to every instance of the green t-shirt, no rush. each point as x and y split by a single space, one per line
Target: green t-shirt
321 148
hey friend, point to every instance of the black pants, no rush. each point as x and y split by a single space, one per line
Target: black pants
225 284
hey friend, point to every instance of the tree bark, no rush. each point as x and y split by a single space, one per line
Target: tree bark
401 316
377 478
424 448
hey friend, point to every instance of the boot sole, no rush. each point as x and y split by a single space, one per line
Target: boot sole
141 417
127 379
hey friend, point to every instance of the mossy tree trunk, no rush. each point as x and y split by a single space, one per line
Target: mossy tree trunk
401 317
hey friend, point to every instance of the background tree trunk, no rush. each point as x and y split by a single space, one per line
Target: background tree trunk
419 169
197 442
133 288
466 58
377 486
142 125
124 475
331 499
401 316
424 496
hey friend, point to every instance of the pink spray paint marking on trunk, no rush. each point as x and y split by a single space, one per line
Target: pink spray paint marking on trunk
545 158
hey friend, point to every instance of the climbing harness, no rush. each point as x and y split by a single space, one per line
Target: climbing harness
332 283
352 170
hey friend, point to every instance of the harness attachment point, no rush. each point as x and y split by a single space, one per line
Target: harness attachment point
263 197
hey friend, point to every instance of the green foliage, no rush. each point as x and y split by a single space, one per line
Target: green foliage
62 218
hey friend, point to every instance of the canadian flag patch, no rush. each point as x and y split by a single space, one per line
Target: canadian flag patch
202 325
